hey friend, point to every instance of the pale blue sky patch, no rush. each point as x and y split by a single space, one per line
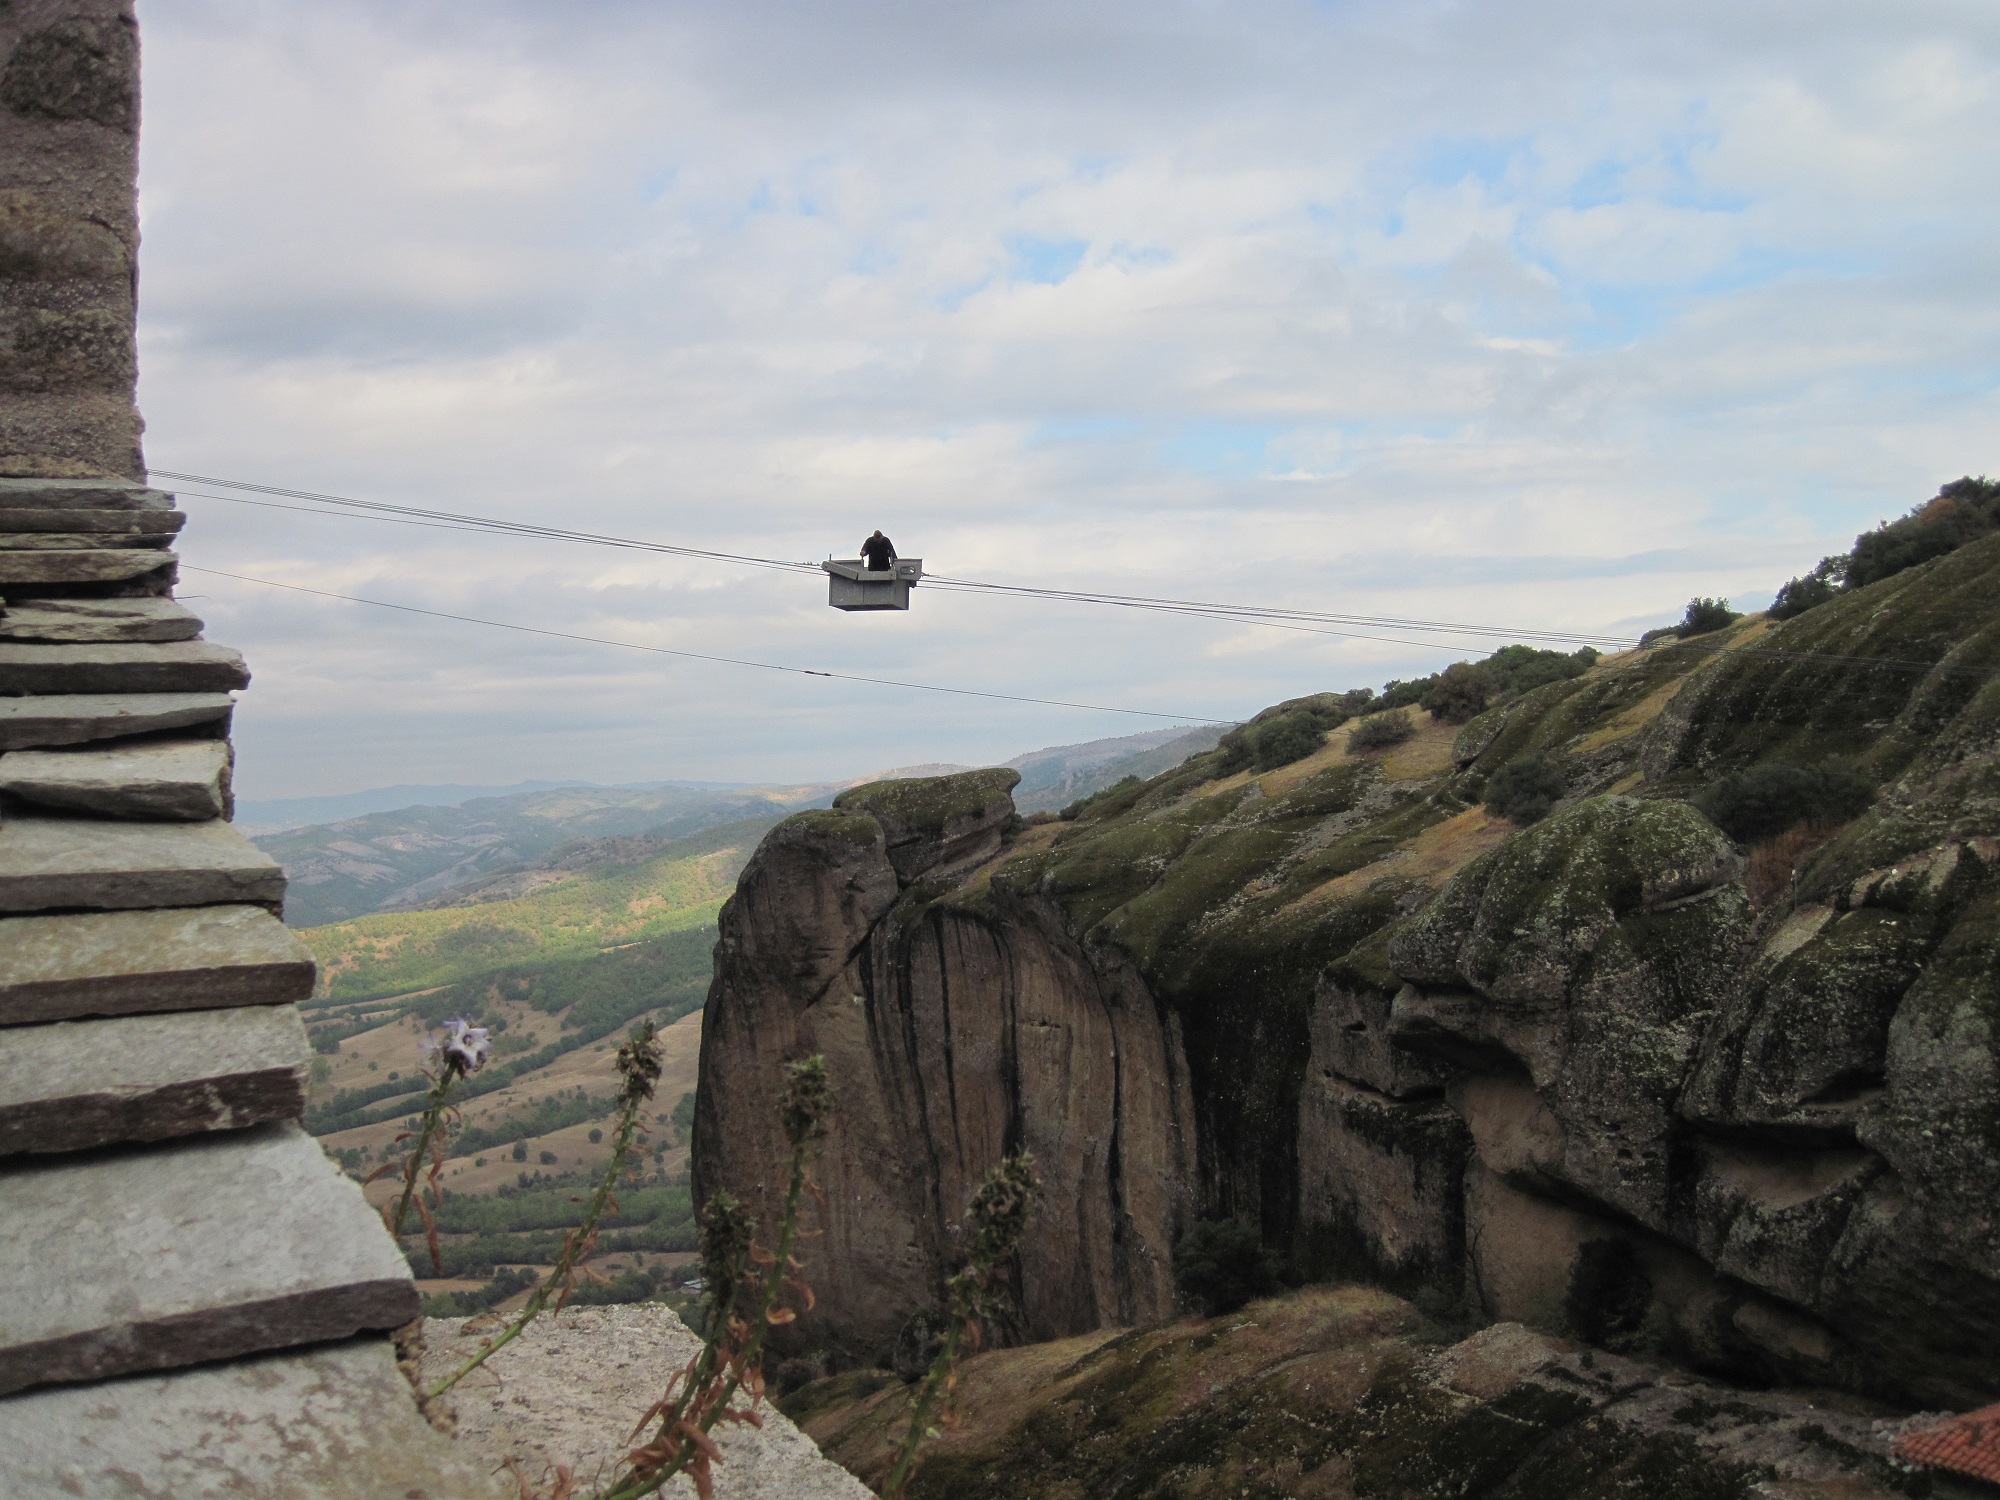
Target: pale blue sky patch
1050 262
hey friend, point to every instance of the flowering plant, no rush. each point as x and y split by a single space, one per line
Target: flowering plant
460 1046
455 1050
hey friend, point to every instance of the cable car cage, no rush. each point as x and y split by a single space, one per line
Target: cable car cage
851 584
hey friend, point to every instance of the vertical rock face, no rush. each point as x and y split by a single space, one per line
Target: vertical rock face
1570 1074
957 1028
69 238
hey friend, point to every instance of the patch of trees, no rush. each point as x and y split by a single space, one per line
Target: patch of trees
551 1114
1466 689
1524 789
1703 617
1765 800
1963 511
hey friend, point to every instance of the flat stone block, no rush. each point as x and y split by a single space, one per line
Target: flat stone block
99 620
121 667
96 522
76 718
71 541
81 494
75 1085
204 1248
333 1423
94 565
179 781
50 863
125 962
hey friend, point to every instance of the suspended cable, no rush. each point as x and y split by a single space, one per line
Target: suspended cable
1361 627
1270 617
733 661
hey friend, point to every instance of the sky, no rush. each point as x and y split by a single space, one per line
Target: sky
1546 315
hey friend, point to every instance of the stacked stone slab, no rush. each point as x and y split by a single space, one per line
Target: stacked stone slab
193 1299
163 1208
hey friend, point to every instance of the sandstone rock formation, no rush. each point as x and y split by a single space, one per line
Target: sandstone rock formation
1610 1075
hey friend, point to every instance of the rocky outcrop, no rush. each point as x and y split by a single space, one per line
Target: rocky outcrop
1341 1393
956 1030
1611 1075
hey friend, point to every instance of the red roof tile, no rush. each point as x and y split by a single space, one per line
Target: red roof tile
1968 1444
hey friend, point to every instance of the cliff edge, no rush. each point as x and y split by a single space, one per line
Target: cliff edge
1616 1075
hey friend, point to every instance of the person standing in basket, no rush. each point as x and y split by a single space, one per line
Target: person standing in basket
878 552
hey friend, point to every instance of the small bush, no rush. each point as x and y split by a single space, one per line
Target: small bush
1706 616
1379 731
1221 1264
548 1158
1285 740
1764 801
1524 789
1774 861
596 1135
1811 591
1461 692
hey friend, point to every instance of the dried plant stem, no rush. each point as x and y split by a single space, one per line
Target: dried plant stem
578 1243
434 1109
681 1441
998 1216
935 1380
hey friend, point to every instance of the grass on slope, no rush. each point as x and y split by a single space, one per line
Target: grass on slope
393 953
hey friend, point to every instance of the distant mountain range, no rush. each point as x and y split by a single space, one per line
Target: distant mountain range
407 848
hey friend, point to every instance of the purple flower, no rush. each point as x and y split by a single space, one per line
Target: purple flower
461 1045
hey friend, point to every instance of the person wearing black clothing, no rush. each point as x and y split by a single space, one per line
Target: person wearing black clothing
878 552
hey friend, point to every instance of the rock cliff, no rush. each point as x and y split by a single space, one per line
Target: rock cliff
1612 1075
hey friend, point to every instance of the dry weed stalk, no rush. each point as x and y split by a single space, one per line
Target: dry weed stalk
1774 861
459 1049
732 1353
999 1217
639 1066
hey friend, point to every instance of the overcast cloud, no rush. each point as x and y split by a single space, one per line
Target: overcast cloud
1545 314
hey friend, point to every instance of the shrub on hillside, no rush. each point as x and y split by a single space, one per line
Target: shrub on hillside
1524 789
1285 740
1706 616
1766 800
1461 692
1810 591
1962 511
1379 731
1221 1264
1522 669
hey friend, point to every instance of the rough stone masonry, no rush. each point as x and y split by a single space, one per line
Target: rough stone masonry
196 1302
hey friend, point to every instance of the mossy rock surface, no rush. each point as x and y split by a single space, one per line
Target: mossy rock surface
933 804
1343 1394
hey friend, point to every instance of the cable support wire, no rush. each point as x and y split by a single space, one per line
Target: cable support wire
1271 617
1360 627
732 661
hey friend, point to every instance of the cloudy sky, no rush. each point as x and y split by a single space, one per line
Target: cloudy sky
1543 314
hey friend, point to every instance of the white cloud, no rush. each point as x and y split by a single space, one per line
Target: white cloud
1550 314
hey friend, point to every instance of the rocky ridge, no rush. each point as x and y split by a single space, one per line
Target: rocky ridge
1575 1075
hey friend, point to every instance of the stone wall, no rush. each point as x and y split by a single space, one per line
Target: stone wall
69 238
